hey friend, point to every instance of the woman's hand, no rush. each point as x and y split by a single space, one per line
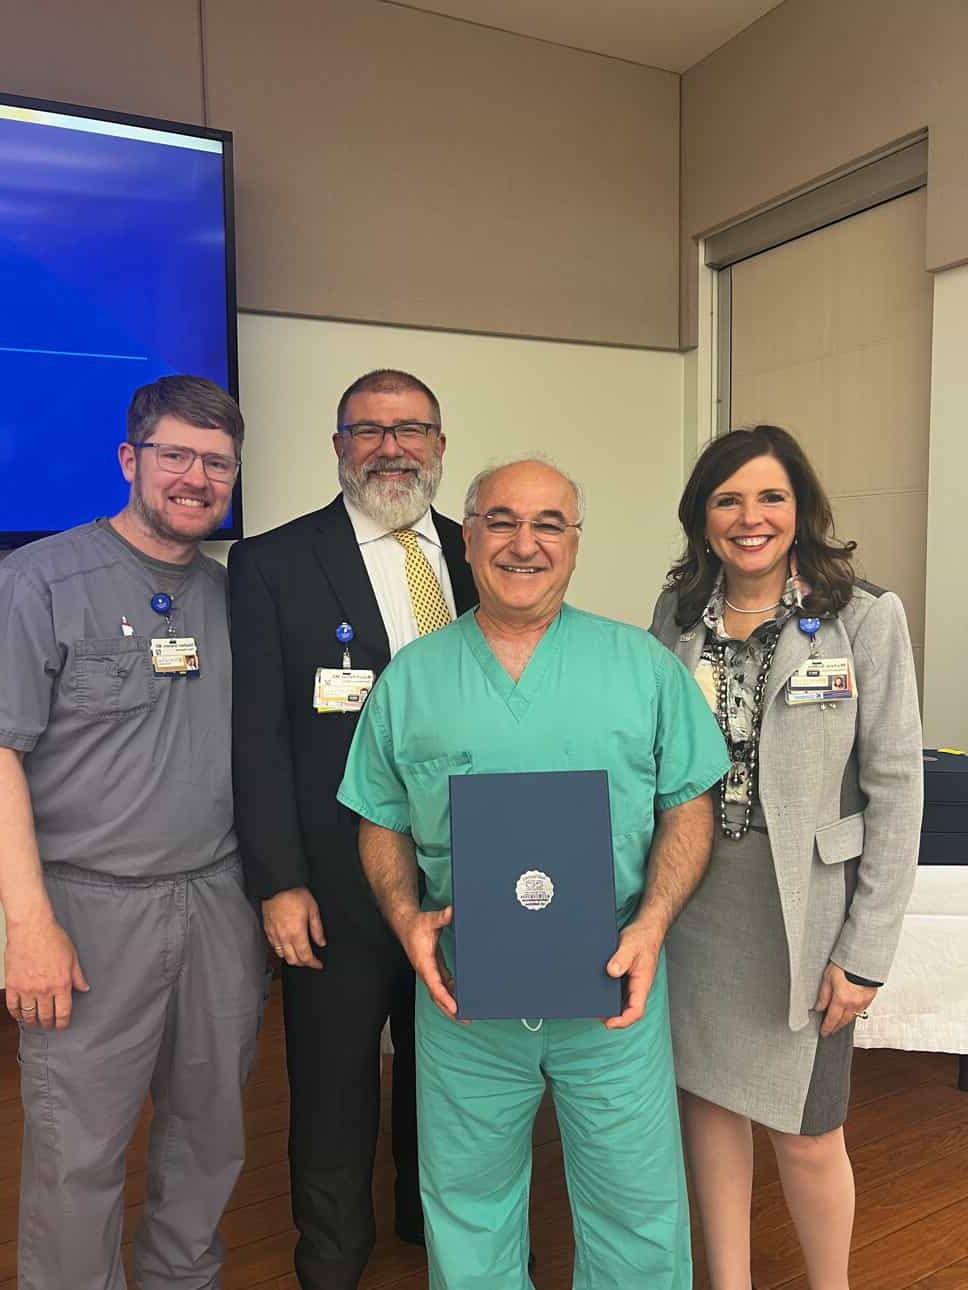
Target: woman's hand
841 1000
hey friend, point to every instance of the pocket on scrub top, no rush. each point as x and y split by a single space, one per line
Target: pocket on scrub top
113 679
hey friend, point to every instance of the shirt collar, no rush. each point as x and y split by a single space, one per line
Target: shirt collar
366 529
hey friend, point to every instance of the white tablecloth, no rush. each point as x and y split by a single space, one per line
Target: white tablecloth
924 1004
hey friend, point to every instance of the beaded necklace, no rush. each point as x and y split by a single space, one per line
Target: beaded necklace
744 753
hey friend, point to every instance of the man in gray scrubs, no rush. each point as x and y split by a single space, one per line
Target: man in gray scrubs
133 961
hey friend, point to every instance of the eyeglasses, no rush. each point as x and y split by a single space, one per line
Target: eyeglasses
407 433
219 468
501 525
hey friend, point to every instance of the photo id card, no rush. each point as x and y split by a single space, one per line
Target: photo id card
822 680
340 689
174 655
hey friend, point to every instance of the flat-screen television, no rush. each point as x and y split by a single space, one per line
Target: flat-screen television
117 266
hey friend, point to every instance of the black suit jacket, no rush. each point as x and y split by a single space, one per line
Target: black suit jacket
290 590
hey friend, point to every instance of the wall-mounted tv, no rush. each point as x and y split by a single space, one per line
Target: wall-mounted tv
117 266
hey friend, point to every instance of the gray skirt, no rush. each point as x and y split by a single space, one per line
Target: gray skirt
729 986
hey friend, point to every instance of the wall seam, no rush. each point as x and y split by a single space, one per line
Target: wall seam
203 56
680 240
460 331
523 35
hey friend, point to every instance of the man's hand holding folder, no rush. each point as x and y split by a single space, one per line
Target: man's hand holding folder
636 959
677 861
419 935
390 862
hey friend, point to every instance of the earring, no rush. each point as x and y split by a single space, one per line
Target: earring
709 549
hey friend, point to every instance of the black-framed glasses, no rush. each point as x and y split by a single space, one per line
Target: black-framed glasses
406 433
171 457
548 528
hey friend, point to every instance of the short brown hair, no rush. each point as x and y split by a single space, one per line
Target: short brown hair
191 399
824 561
386 380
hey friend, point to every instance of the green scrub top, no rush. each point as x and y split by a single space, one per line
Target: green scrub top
596 695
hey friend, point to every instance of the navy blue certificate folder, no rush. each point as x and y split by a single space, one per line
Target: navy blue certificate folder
534 895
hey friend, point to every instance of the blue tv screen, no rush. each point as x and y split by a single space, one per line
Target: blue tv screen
116 267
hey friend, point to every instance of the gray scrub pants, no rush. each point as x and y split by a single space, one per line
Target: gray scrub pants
176 969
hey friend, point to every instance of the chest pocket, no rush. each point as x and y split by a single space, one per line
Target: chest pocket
631 790
428 790
113 678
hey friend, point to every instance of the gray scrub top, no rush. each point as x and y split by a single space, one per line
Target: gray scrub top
129 772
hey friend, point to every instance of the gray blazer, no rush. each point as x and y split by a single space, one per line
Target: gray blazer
841 788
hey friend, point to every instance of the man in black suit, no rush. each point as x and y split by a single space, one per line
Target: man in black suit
351 577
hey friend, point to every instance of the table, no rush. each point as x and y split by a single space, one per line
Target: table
924 1004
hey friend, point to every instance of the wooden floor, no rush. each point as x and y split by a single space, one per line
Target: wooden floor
908 1134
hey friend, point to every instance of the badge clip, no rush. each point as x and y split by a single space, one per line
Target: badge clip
345 634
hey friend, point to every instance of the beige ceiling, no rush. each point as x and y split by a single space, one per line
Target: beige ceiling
671 34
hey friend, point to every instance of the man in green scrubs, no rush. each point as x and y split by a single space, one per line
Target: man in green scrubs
527 683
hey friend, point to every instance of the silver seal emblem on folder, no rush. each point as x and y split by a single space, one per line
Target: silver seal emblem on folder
534 889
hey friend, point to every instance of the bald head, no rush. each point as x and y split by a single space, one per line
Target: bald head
525 468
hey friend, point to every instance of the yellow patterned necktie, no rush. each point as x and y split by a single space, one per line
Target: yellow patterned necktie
429 606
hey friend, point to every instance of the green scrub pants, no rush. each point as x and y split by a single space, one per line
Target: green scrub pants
478 1090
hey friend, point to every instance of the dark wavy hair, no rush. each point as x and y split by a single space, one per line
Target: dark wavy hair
823 560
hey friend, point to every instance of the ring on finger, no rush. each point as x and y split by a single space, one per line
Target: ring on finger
279 950
862 1016
28 1007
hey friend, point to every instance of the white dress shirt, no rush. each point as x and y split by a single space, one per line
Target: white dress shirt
384 559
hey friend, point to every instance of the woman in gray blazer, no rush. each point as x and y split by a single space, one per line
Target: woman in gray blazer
811 676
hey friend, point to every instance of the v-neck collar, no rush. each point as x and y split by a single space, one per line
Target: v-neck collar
518 695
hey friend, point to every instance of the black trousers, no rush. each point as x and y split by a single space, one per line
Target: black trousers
334 1019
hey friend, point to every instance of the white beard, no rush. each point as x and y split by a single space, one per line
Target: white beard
396 504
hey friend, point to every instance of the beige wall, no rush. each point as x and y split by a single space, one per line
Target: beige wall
611 417
397 166
811 87
945 683
125 55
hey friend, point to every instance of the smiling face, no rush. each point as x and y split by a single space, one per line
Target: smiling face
523 577
177 508
391 482
751 521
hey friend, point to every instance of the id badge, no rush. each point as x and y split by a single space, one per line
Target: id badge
174 655
340 689
822 680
